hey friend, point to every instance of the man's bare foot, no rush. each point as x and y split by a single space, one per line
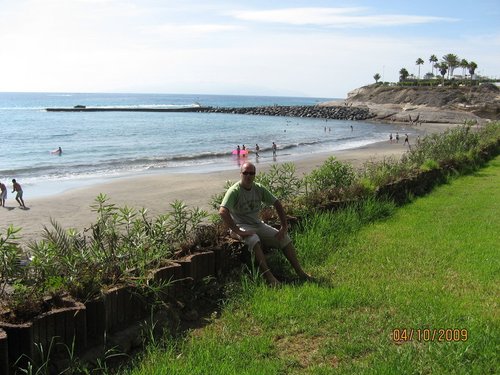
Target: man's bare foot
274 284
270 279
305 276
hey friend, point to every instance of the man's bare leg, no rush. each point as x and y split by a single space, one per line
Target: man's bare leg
263 267
291 255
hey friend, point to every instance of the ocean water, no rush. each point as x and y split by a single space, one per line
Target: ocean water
102 145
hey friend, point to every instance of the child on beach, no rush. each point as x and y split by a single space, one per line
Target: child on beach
3 194
16 187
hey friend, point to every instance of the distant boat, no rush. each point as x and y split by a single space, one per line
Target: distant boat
79 106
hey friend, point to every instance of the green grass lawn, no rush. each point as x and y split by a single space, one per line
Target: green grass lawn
427 267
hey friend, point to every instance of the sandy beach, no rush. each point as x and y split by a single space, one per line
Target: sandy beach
71 209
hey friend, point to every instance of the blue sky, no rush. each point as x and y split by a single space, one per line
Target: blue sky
292 48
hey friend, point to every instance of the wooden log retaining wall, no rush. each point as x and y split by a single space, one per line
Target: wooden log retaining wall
89 324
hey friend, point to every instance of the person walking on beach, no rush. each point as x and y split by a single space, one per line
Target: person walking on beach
3 194
16 187
274 149
406 140
257 149
397 137
240 210
390 138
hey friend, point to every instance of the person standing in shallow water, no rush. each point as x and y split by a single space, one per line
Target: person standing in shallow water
257 149
240 210
274 149
16 187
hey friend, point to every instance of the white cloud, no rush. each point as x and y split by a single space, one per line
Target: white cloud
190 31
332 17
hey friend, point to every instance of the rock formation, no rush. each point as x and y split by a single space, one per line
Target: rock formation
427 104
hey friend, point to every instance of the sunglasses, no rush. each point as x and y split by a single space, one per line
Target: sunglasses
248 173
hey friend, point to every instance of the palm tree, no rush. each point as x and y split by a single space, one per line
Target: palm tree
464 64
433 60
419 62
403 74
376 77
472 68
443 67
452 61
436 66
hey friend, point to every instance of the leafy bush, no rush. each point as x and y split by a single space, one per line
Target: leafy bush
333 174
281 180
429 165
10 258
216 199
123 242
384 171
444 147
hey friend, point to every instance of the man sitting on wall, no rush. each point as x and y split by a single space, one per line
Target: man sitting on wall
240 212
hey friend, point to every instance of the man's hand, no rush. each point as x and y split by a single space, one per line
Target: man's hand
281 233
245 233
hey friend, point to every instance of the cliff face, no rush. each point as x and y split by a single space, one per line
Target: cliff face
431 104
440 97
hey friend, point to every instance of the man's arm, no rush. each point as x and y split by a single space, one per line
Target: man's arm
282 215
228 220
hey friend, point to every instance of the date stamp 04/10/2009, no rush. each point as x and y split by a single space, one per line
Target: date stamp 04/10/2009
430 334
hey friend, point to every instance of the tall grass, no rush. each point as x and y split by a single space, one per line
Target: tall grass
321 233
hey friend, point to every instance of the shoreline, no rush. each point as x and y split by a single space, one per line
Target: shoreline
46 188
155 192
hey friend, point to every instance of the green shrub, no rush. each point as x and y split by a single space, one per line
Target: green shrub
10 258
281 180
384 171
216 199
123 242
367 185
332 174
429 165
444 147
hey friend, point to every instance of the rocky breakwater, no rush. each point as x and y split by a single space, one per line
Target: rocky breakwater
332 112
